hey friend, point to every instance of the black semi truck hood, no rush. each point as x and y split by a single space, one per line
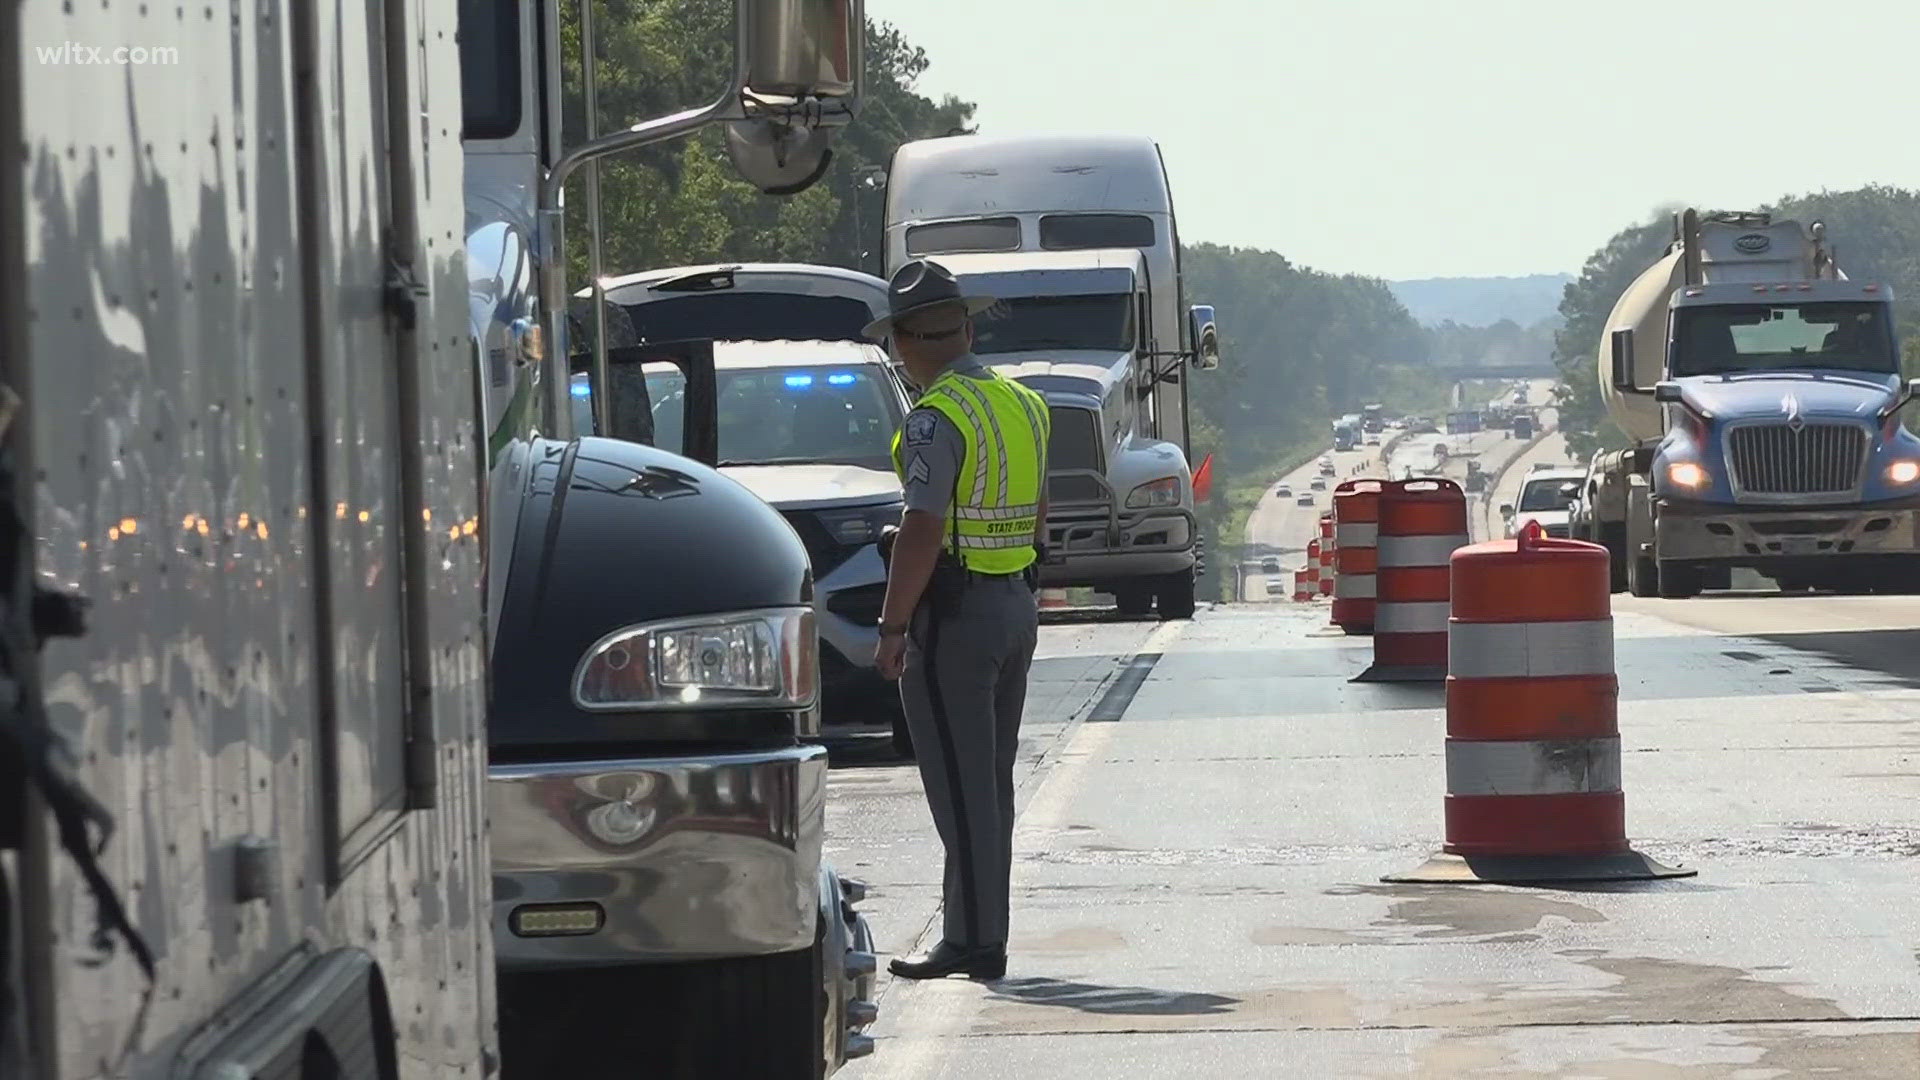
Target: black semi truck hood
613 534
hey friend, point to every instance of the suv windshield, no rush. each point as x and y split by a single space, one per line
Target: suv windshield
1545 494
1101 321
839 414
1834 335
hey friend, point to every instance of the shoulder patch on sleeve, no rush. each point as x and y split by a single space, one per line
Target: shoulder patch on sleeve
921 424
918 473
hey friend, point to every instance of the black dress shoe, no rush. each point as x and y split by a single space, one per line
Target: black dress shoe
946 958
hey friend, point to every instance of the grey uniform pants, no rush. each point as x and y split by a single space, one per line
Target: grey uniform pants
964 687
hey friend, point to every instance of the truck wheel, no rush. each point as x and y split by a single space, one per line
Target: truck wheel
1679 581
1133 601
1643 577
1176 597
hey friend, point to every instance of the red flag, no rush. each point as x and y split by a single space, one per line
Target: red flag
1203 480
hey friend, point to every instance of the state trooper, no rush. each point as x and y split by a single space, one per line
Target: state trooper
960 620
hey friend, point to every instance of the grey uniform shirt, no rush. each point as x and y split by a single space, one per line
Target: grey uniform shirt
932 449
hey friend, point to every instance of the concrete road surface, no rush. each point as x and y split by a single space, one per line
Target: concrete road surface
1198 862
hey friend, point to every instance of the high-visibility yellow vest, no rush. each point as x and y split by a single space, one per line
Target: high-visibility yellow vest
996 499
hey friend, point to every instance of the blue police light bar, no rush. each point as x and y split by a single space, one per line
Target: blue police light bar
799 381
581 389
842 379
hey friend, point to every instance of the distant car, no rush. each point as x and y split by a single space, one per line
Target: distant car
1270 565
1373 440
1543 466
1326 468
1283 491
1304 500
1276 587
1318 484
1547 498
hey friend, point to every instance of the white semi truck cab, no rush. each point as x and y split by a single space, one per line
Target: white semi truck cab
1075 326
1075 236
1762 391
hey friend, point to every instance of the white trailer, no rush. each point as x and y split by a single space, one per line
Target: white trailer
236 318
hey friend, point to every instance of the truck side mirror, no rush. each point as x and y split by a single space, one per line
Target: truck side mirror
1621 345
1506 509
800 66
1667 392
1205 337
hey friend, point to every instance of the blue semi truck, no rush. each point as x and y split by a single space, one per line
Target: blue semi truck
1762 391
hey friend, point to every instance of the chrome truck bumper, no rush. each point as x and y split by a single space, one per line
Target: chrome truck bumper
653 859
1716 532
1097 543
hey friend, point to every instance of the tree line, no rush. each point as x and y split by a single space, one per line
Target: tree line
1874 233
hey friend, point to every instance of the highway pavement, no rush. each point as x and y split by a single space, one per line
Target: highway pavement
1207 809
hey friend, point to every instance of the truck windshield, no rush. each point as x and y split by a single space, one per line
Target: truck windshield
1102 321
1547 494
782 415
1840 335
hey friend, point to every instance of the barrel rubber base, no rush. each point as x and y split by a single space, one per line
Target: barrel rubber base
1445 869
1403 673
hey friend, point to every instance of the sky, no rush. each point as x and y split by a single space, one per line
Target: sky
1430 138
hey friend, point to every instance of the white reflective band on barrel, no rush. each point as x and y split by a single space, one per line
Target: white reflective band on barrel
1403 618
1354 586
1419 550
1529 649
1365 534
1544 767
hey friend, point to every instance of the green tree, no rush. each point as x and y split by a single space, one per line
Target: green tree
679 202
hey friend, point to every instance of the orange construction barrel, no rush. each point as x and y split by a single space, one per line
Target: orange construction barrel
1533 739
1422 522
1356 533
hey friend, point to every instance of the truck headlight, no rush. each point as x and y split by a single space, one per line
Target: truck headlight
767 659
1904 472
1687 475
861 524
1155 493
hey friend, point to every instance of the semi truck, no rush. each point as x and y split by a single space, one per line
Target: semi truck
1077 239
1346 432
1761 391
241 786
656 787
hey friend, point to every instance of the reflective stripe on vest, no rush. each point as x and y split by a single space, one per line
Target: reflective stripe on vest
995 507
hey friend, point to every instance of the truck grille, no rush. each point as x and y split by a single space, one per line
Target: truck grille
1774 459
1075 445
